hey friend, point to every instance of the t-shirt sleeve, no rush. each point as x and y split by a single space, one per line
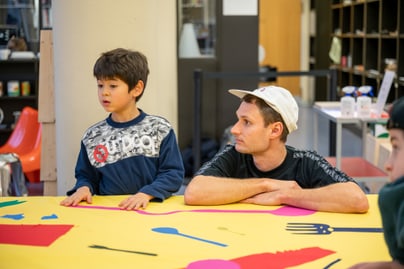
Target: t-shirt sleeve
223 164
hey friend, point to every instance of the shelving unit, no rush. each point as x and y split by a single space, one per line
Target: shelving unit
20 70
319 44
370 32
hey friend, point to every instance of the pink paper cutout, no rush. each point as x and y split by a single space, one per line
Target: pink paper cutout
282 211
213 264
278 260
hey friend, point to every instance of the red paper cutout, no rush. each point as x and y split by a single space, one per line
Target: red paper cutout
32 235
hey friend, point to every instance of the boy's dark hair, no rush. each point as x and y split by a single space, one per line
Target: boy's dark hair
127 65
268 113
396 113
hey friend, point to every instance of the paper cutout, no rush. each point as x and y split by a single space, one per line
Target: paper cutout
10 203
282 211
213 264
32 234
53 216
332 263
228 230
278 260
13 216
174 231
122 250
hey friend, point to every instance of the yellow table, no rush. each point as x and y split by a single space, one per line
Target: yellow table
226 237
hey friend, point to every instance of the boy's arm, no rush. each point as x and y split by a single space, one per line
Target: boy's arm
84 172
170 173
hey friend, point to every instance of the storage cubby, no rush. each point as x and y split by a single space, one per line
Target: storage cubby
17 70
371 33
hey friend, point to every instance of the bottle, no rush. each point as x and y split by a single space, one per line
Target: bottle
364 102
348 102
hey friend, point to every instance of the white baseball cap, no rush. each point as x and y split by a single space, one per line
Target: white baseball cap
280 99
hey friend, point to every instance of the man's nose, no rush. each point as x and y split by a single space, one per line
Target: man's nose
234 130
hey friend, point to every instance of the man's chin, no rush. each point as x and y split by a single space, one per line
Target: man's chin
240 149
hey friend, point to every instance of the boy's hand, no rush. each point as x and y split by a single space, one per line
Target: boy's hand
137 201
81 194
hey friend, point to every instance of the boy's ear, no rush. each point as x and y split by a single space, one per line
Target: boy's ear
138 89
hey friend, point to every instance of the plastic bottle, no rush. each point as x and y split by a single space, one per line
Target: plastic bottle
364 102
348 102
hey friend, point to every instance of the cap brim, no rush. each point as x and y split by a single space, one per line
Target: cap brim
240 93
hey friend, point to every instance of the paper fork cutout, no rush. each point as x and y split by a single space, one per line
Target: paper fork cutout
321 228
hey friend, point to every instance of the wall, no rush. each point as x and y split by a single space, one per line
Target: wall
82 30
279 34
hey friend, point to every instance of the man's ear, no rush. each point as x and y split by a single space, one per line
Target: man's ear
138 89
276 129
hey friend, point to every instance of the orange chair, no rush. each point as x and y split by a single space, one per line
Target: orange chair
25 141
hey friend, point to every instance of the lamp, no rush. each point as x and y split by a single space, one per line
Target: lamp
188 47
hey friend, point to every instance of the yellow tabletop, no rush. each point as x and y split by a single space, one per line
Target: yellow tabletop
36 232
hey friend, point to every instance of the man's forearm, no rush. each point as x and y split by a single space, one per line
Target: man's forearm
206 190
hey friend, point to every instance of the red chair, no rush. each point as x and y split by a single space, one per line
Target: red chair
25 141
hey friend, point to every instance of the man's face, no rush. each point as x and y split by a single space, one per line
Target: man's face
394 165
251 136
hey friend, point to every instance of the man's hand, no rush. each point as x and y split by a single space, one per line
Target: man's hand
137 201
274 196
81 194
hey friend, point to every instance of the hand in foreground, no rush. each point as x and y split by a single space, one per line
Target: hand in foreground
137 201
81 194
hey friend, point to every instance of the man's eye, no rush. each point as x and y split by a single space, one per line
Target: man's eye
113 86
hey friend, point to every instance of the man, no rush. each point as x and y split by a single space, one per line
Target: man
261 169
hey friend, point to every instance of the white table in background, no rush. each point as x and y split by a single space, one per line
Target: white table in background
331 111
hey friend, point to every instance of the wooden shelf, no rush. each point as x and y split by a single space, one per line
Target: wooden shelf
370 32
20 70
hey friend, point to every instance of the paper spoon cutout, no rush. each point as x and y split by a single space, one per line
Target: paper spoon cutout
174 231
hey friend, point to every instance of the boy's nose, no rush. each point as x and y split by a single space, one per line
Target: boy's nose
105 92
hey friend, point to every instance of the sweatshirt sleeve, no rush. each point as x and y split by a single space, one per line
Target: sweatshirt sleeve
85 173
170 173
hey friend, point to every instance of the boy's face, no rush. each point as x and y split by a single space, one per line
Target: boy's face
394 164
115 97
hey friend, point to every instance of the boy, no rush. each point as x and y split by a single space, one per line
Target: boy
130 152
391 196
